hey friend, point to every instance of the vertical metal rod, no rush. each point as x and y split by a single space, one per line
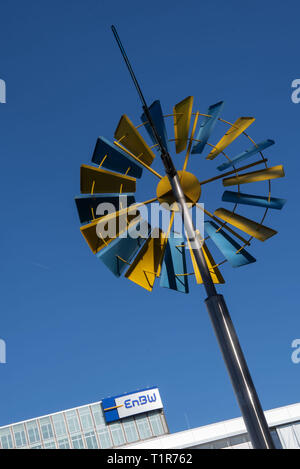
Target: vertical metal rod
239 373
233 356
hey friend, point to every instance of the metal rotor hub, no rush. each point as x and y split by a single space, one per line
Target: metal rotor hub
190 186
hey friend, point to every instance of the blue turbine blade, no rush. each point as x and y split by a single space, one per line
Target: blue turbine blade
116 160
257 200
207 126
123 248
87 204
158 119
227 245
174 263
246 154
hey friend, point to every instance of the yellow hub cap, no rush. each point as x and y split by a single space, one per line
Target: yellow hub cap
190 186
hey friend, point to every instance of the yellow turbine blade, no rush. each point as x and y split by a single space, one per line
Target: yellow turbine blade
254 176
146 266
214 271
131 139
120 220
182 119
95 233
95 180
141 162
240 125
165 239
250 227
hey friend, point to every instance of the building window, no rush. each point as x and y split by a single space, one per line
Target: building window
77 442
296 428
276 439
91 441
102 428
63 443
117 434
143 426
98 415
130 430
59 425
220 444
288 436
240 442
104 438
156 424
6 439
46 428
50 444
33 431
86 418
20 436
72 420
204 446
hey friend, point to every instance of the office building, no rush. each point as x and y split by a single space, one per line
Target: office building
137 421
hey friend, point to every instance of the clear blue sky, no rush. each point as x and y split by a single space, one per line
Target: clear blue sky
74 333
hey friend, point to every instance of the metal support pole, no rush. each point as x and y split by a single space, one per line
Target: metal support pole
238 371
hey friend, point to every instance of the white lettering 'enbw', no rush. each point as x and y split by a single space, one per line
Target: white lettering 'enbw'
136 403
142 400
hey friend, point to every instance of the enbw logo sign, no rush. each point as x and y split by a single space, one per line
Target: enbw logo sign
142 400
122 406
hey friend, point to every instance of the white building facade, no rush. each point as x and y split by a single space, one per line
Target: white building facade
136 421
284 423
